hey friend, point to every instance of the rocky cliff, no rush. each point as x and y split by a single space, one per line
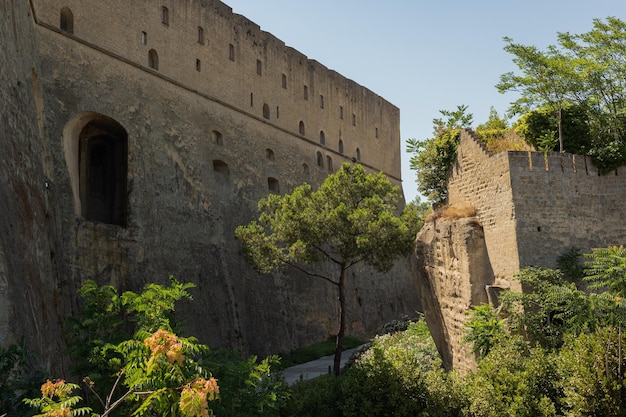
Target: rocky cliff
453 272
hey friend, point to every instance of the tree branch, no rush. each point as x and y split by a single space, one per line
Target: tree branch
311 274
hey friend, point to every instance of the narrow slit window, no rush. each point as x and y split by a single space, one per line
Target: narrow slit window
200 35
340 146
322 138
284 81
231 52
341 112
251 99
165 15
301 128
144 38
320 159
266 111
259 67
217 138
358 154
354 120
306 92
321 102
329 163
198 65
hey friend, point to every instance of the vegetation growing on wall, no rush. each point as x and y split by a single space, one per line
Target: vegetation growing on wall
432 158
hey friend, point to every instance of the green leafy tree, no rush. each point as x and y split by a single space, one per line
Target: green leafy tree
548 307
57 400
153 371
432 158
590 367
547 78
541 123
483 329
515 379
349 219
585 72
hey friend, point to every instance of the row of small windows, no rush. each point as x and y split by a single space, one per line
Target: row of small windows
269 153
67 25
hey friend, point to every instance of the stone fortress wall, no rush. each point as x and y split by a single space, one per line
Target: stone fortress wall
188 151
206 48
530 209
533 206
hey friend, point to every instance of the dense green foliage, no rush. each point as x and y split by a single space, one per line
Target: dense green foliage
154 371
432 158
539 127
584 74
494 129
350 219
399 375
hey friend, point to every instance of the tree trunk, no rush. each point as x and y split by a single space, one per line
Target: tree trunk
342 321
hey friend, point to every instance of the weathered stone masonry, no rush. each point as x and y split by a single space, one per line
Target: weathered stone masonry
127 165
531 208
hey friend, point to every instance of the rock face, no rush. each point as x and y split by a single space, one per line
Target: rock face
123 171
530 208
453 271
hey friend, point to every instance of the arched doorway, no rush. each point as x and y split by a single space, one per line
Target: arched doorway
97 152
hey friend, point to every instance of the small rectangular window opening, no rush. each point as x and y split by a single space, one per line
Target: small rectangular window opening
341 112
231 52
251 99
284 81
259 67
321 102
201 35
144 38
165 15
354 120
198 65
306 92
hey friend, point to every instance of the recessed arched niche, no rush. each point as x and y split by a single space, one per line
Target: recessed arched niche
96 153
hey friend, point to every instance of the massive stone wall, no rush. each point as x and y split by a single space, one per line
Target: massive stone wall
191 159
561 202
259 71
532 207
482 180
33 296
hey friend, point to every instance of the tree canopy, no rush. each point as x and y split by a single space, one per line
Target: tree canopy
584 71
433 157
351 218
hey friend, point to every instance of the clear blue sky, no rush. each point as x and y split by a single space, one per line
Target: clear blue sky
424 55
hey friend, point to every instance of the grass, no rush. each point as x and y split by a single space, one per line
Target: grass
316 351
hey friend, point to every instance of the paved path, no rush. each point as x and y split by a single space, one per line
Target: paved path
313 369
